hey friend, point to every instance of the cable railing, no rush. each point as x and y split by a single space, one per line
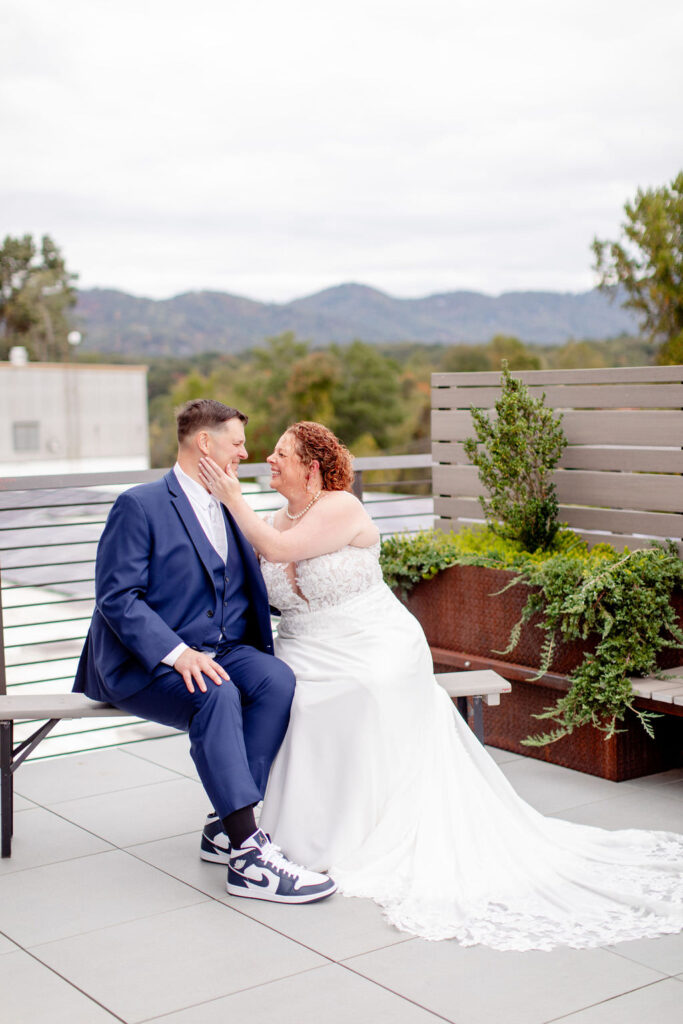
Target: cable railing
49 530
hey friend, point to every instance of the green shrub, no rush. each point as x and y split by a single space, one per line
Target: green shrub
408 558
515 454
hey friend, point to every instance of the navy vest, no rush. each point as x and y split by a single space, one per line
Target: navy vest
230 618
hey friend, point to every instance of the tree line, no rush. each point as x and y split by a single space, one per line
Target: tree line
376 398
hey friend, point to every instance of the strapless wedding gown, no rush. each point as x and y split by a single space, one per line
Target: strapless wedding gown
380 781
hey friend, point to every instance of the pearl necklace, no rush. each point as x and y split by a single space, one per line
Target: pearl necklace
305 510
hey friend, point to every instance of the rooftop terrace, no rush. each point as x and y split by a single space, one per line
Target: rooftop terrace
107 913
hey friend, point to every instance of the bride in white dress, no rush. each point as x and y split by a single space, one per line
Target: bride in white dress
379 780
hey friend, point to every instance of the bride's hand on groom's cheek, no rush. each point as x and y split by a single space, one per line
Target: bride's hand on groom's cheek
223 484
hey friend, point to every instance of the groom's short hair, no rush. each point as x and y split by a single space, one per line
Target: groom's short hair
204 414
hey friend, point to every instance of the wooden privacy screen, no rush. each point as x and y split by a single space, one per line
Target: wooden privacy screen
619 479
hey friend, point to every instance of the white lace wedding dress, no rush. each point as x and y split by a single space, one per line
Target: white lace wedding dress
381 782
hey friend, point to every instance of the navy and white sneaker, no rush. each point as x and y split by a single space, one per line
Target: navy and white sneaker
215 845
260 870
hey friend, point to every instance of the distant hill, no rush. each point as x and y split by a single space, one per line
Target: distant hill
216 321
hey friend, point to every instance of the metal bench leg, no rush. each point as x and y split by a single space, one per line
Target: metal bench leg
6 785
477 715
478 718
10 759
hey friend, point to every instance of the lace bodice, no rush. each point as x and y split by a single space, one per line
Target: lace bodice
324 581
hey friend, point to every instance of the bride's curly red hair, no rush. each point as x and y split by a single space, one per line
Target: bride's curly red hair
316 442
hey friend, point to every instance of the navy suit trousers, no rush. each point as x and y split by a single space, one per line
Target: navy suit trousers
235 729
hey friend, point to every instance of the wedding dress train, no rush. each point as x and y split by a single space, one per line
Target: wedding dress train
380 781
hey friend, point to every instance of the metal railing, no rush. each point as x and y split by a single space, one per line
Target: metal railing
49 530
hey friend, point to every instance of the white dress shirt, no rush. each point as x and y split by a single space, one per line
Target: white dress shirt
210 516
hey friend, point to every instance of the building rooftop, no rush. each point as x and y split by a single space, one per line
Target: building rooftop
107 913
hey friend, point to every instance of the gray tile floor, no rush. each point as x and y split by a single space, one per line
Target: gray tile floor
107 913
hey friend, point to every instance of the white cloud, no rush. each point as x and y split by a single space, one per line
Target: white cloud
273 149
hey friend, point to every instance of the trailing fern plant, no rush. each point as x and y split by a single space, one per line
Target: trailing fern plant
624 601
515 455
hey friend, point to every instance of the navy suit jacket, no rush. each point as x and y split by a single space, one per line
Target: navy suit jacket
154 588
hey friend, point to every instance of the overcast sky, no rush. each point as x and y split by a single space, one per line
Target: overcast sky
271 148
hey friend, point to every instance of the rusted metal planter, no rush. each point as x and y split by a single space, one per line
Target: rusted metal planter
468 621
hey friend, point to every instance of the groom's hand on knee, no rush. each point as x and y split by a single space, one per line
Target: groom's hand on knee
194 665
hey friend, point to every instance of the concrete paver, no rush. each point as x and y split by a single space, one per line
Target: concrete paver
7 946
476 985
178 856
84 775
32 992
504 756
556 789
173 752
141 814
21 804
674 775
75 896
327 995
41 837
337 928
657 808
660 1002
157 964
664 954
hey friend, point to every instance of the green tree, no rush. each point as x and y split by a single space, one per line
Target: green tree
502 348
465 359
366 398
507 350
309 389
576 355
163 441
671 352
261 390
647 261
36 293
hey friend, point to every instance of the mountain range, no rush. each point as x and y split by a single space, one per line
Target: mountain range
194 322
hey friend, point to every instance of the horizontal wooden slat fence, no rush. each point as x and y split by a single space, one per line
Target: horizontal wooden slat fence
621 477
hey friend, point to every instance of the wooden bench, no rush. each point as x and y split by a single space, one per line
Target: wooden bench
484 686
666 689
49 709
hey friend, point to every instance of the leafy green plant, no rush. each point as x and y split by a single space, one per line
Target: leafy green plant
621 600
515 454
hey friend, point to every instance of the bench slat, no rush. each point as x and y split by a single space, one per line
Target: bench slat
67 705
478 683
667 690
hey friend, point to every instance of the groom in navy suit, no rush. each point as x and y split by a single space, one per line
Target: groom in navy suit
181 635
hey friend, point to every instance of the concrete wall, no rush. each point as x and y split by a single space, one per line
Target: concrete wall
57 417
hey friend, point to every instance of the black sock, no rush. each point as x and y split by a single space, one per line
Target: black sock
239 825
